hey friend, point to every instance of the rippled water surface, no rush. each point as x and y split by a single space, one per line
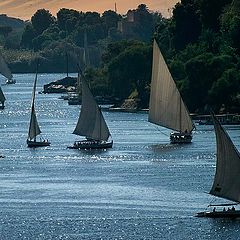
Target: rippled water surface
142 188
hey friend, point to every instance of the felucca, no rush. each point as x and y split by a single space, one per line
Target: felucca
226 182
34 129
166 107
91 123
5 71
2 99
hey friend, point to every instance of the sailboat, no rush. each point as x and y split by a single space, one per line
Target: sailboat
2 99
166 107
74 97
5 71
226 182
91 123
34 129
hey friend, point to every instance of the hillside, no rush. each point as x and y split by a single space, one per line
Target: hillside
14 23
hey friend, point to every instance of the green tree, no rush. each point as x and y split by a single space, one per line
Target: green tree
5 30
110 19
225 90
28 35
187 23
41 20
144 25
92 18
211 12
68 19
131 70
230 27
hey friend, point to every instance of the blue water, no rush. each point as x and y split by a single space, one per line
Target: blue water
142 188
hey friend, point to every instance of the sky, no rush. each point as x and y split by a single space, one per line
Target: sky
24 9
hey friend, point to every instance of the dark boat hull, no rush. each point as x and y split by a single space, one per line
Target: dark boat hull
91 145
179 138
33 144
220 214
10 81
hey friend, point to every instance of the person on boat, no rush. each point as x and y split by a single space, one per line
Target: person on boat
214 209
233 208
224 209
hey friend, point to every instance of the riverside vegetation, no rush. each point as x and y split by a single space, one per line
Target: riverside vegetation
200 42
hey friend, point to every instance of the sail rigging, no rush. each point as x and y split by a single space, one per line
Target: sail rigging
91 123
226 182
34 129
166 107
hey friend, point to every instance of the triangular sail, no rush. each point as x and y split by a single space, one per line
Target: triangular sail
34 129
91 123
166 107
227 177
2 97
4 70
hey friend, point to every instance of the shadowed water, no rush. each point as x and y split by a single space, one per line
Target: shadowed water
142 188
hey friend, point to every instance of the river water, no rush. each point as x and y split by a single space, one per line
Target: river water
142 188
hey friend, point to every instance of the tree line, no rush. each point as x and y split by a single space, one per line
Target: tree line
200 43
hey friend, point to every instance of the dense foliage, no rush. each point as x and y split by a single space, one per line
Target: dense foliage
200 43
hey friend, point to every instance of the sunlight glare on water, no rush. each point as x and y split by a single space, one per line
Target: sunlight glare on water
142 188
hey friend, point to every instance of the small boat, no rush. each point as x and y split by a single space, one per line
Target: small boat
2 99
34 129
166 107
226 183
5 71
74 98
10 81
91 123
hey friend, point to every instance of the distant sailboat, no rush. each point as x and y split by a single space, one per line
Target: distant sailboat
5 71
91 123
2 99
166 107
34 129
226 182
74 98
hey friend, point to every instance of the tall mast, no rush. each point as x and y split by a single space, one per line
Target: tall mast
180 118
67 63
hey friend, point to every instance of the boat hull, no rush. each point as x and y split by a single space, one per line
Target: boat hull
33 144
180 138
220 214
10 81
85 144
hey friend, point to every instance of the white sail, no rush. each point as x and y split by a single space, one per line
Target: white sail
2 97
4 70
166 107
34 129
91 123
227 177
